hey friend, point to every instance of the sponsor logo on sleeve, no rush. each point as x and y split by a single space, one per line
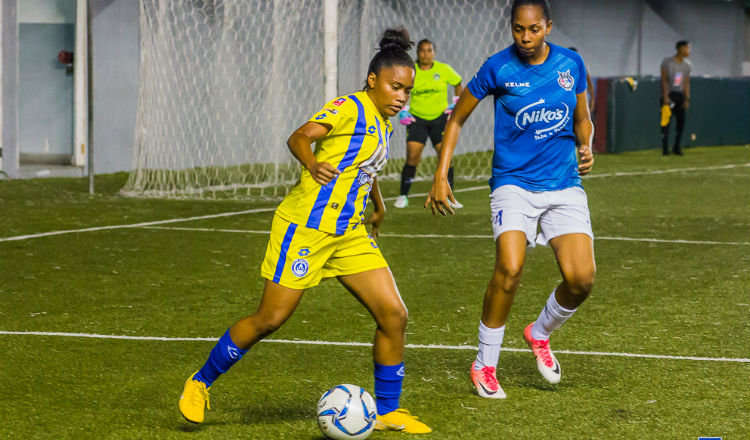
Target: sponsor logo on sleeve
339 101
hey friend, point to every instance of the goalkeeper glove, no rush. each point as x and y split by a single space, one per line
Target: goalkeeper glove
406 118
449 110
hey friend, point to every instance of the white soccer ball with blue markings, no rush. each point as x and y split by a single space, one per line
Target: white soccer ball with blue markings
346 412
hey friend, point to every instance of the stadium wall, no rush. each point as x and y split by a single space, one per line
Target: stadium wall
606 32
718 115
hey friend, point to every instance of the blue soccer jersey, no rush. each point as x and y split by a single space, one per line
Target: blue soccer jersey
534 105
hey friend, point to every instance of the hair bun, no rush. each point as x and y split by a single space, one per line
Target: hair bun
396 39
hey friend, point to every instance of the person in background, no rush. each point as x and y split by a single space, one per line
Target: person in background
675 94
426 114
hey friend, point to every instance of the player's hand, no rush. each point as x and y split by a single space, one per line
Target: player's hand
375 219
449 110
437 200
686 105
406 118
587 159
323 172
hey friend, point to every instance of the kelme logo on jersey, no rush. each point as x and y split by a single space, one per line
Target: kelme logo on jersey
299 267
565 79
547 119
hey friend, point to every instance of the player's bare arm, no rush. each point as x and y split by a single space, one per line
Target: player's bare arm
440 192
299 144
584 131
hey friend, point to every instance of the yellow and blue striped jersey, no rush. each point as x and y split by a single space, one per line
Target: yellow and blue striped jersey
358 145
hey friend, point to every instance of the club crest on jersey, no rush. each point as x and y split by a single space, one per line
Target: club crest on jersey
299 267
565 79
436 77
339 101
547 119
363 178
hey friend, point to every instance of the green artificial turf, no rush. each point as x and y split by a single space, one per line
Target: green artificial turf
685 294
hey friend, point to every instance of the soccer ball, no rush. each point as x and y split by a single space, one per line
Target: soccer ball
346 412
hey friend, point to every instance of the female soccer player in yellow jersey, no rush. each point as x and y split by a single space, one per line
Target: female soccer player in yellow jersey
541 121
318 232
427 114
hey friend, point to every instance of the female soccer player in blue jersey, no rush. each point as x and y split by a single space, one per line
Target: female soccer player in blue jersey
541 116
427 115
318 233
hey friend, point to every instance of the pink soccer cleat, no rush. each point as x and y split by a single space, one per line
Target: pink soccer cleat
485 380
545 360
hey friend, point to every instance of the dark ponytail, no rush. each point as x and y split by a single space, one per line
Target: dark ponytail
392 51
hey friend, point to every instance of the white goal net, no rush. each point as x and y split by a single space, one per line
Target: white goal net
223 83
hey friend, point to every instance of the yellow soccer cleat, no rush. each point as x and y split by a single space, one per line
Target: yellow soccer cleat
194 400
401 420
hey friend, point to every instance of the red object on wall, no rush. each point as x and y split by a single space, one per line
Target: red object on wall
600 115
65 57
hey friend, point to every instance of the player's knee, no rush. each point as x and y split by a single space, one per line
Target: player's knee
581 284
507 277
267 323
393 320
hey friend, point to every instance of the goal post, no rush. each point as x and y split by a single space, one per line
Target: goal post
223 83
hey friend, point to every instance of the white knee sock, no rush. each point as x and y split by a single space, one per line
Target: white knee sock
552 317
490 340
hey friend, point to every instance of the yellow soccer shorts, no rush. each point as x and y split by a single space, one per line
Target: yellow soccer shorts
299 258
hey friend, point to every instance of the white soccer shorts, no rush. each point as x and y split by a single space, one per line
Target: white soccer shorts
556 213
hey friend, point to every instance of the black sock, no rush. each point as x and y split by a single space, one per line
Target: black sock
664 137
407 176
450 177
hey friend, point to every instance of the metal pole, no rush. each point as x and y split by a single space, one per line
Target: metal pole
639 42
80 72
330 45
90 114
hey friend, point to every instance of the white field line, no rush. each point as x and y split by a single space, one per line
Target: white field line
252 211
622 174
137 225
367 344
648 240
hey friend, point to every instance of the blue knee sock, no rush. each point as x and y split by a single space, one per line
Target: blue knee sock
388 380
222 357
